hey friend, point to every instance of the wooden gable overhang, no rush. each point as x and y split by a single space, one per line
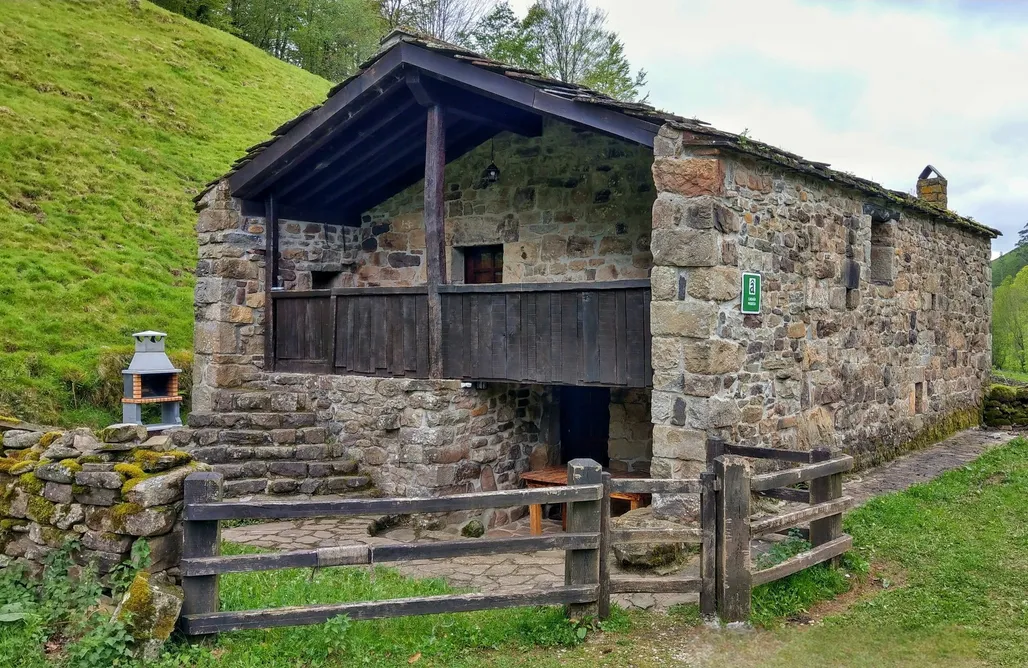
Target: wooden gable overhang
368 141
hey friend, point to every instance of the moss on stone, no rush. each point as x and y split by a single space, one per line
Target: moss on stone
151 460
22 467
79 489
938 430
130 470
120 513
49 437
30 483
91 459
7 463
40 510
132 482
71 465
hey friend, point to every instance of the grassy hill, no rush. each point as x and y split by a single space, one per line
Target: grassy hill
112 116
1009 264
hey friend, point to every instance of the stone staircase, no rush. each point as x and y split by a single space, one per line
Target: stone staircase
280 454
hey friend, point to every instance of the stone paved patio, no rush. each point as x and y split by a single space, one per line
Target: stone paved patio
546 569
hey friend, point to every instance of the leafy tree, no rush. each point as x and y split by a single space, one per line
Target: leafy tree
448 20
563 39
1010 322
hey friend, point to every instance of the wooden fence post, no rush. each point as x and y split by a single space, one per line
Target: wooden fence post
733 539
708 549
201 539
603 604
582 567
824 489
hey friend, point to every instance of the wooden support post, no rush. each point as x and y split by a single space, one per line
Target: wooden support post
603 605
201 539
715 448
435 240
708 548
733 539
824 489
582 567
270 279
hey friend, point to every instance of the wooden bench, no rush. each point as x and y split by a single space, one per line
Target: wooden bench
557 476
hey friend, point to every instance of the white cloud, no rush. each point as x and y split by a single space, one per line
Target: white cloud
879 89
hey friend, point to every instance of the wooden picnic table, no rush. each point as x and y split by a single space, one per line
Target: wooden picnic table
557 476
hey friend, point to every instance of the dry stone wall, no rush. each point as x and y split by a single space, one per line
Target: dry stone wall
631 431
873 337
105 490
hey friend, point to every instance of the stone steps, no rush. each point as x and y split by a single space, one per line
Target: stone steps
290 486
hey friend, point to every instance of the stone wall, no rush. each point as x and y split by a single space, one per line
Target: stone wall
631 431
287 433
872 337
106 490
569 206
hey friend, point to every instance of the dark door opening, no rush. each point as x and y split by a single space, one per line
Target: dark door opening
584 424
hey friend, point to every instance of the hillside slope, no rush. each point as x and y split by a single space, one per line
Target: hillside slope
111 119
1009 264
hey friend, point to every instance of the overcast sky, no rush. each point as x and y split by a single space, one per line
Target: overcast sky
878 88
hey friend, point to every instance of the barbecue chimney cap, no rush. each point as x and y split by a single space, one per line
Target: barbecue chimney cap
150 356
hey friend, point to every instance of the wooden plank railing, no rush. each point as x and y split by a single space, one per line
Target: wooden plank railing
202 564
590 333
736 575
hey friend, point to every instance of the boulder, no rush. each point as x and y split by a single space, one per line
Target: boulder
149 609
56 472
58 451
123 433
82 439
648 555
17 439
131 519
161 489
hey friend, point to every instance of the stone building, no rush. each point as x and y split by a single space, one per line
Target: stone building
454 271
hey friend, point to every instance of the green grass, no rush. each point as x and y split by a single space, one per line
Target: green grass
111 119
1010 375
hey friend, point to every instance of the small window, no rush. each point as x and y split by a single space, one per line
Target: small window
323 280
483 264
919 398
883 253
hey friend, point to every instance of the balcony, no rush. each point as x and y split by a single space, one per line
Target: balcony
548 333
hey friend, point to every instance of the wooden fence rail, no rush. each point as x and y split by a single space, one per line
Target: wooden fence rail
726 530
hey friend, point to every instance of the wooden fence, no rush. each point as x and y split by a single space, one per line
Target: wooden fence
726 529
736 528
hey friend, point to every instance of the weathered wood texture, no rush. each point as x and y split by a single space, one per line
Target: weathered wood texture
800 456
820 511
260 509
195 624
201 540
435 244
270 279
592 334
733 534
825 490
585 334
708 548
804 560
659 585
641 536
792 476
655 486
314 558
786 494
603 597
582 567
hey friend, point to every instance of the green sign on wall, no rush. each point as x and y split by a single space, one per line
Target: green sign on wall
750 293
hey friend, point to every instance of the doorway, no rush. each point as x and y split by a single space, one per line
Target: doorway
584 424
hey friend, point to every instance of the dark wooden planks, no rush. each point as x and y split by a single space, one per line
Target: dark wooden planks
733 539
435 244
661 585
242 563
530 341
834 507
635 313
513 336
809 472
259 509
804 560
799 456
201 540
589 319
315 614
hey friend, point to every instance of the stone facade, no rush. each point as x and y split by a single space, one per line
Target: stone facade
871 334
631 431
570 205
106 490
288 433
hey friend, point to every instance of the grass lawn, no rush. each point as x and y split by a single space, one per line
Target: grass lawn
949 588
113 115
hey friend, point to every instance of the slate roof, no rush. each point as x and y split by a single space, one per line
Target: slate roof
697 132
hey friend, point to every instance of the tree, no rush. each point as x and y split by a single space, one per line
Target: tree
448 20
563 39
1022 236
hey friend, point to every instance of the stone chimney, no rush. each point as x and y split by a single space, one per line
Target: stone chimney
932 189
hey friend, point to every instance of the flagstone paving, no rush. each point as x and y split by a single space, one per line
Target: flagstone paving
546 569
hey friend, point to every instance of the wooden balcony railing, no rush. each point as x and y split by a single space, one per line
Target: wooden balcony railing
554 333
